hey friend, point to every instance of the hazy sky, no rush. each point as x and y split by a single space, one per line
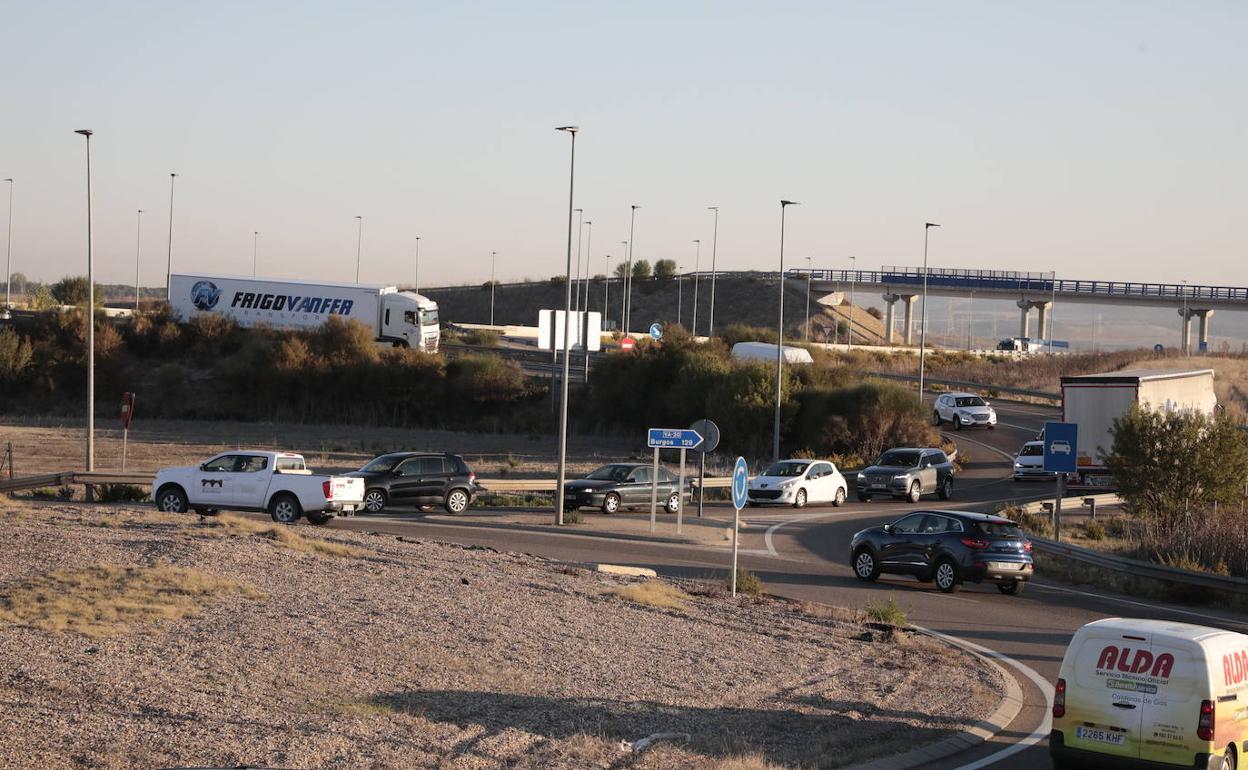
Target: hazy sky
1099 139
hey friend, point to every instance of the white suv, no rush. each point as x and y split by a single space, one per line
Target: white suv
964 410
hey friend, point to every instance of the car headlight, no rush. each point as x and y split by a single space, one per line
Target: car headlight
1018 465
899 477
787 484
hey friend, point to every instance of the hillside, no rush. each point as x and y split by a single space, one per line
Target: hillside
750 301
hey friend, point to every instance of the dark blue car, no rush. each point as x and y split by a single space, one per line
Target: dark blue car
947 547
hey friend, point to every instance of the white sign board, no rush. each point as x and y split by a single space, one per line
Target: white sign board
582 327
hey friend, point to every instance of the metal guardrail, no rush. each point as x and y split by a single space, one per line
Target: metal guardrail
973 386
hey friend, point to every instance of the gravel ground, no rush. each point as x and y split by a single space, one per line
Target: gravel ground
416 654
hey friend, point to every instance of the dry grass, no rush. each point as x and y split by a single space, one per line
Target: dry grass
231 525
747 762
654 593
106 599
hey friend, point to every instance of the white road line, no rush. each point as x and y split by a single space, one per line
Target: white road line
1027 428
1039 734
1158 607
960 437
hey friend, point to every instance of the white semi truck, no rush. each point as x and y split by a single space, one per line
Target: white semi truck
398 318
1094 401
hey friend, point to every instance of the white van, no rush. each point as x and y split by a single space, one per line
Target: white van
1151 694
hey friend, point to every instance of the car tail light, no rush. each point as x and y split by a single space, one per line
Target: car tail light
472 477
976 545
1027 547
1059 699
1204 726
327 489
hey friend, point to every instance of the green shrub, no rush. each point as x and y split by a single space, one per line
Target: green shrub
43 493
15 355
887 612
1094 530
120 493
1039 524
747 583
481 337
41 299
485 378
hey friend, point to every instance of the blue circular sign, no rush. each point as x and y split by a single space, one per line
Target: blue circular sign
740 483
656 332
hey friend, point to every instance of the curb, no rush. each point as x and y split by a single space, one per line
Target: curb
980 732
560 531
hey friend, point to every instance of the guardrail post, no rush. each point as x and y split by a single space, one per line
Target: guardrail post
1090 504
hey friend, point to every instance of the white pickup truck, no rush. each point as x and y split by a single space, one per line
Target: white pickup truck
277 482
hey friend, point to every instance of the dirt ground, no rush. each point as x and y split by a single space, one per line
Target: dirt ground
300 648
44 445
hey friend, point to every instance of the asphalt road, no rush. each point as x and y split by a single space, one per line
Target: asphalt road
805 556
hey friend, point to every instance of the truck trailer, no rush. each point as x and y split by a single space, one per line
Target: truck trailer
396 318
1094 401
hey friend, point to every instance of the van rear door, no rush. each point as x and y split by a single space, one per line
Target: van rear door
1178 676
1104 704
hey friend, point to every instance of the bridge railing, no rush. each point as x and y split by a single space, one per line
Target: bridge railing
1011 280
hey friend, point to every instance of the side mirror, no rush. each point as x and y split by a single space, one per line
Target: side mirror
631 480
398 471
888 528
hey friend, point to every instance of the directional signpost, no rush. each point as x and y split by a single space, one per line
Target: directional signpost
710 436
740 485
1061 455
683 439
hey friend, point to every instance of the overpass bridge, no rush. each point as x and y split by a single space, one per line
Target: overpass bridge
1030 291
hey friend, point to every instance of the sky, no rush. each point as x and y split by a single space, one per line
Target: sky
1101 140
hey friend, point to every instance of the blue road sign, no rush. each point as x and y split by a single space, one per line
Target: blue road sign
740 483
673 438
656 332
1061 447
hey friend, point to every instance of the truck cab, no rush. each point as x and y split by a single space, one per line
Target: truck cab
409 320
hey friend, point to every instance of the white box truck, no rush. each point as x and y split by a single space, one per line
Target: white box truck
398 318
1094 401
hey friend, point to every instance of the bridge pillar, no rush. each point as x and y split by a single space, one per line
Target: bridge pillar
1025 306
1043 331
1185 329
908 334
1203 334
890 315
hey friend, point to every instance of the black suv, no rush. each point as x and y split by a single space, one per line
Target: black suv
907 474
417 478
947 547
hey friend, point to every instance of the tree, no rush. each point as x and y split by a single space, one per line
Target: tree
641 269
19 282
72 290
1167 463
621 270
41 298
15 355
665 269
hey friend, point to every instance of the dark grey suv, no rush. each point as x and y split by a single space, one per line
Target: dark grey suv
417 478
907 474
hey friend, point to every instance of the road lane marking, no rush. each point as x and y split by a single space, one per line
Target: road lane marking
1159 607
1037 735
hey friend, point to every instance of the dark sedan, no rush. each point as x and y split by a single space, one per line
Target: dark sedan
417 478
623 485
947 547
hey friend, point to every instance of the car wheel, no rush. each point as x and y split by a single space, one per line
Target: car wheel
375 500
839 500
456 501
611 503
171 499
863 497
319 517
284 509
865 568
936 419
991 426
946 489
799 500
1229 759
673 503
946 576
1013 588
916 492
957 423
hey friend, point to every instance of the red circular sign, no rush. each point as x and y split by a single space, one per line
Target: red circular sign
627 344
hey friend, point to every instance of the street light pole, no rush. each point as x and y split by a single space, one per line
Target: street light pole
624 287
255 245
169 253
697 261
679 294
853 280
710 331
138 244
90 315
809 273
780 339
923 314
359 243
416 290
8 256
628 277
567 312
589 255
580 238
493 255
606 287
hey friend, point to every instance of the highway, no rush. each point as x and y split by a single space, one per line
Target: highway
804 555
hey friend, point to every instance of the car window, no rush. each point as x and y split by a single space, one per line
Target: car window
251 464
667 476
382 464
898 457
432 466
819 470
610 473
787 469
1000 528
223 464
460 466
909 525
409 467
934 524
971 401
929 460
640 475
291 464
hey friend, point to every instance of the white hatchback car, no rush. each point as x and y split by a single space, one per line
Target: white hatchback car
1029 463
964 410
798 482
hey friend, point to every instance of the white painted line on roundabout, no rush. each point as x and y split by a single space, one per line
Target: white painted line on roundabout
1159 607
1037 735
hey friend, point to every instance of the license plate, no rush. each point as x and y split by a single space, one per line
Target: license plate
1101 736
1004 565
877 486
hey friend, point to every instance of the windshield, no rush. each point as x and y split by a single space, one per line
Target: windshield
429 317
1032 450
1000 528
611 473
787 469
970 401
905 459
382 464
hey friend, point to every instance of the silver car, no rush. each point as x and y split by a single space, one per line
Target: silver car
907 474
964 410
